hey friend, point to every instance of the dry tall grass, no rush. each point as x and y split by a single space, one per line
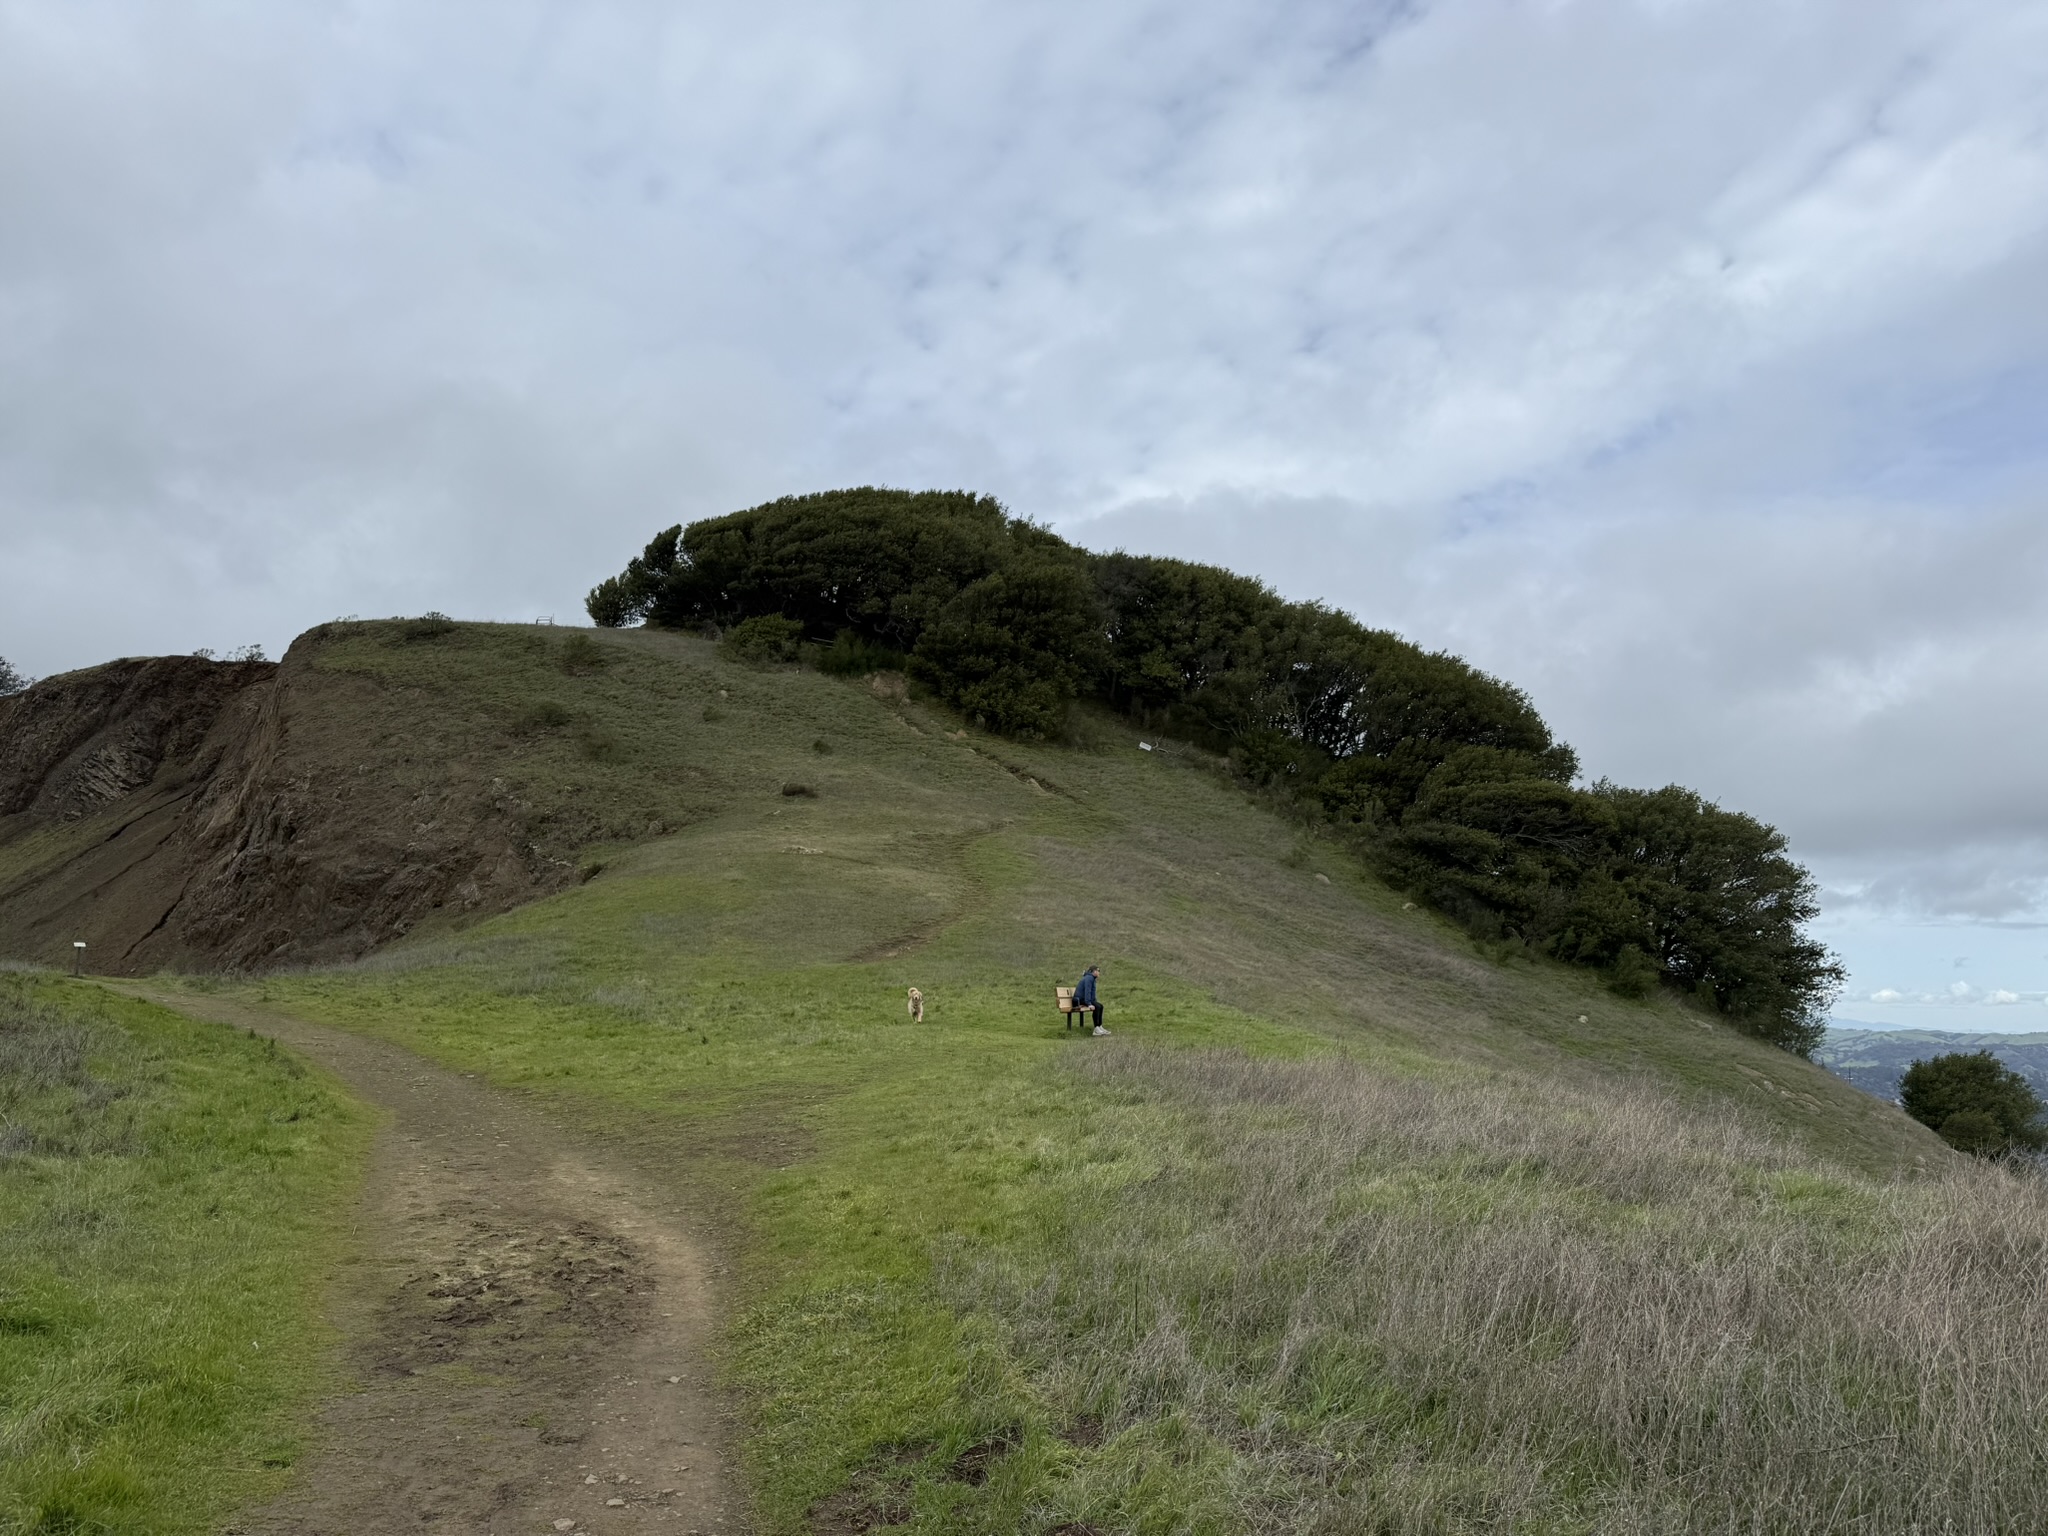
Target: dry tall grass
1424 1306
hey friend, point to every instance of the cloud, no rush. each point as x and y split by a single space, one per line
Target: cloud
1682 363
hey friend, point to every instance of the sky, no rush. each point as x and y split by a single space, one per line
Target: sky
1685 363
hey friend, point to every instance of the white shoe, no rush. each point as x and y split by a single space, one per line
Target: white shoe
1100 1030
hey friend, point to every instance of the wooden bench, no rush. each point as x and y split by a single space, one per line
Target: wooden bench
1063 999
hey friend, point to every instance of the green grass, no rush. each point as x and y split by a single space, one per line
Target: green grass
1337 1232
170 1196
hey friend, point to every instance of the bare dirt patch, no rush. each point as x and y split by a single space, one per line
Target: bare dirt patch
526 1323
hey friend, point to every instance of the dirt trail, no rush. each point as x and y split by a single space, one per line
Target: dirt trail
526 1323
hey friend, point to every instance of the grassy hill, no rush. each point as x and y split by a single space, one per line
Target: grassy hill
1349 1226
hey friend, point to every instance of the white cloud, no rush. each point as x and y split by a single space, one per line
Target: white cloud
1682 363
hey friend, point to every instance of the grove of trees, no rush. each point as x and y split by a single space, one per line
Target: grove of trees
1448 778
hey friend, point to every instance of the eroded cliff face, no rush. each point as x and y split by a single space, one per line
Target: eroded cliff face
76 743
175 812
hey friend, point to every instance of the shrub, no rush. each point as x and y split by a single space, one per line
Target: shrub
428 626
11 680
766 640
598 744
545 715
1011 651
582 655
1633 974
853 655
1974 1102
797 791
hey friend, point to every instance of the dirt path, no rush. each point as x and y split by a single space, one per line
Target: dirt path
525 1325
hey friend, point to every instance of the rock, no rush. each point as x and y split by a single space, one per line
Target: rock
614 1503
565 1525
673 1380
591 1479
1324 879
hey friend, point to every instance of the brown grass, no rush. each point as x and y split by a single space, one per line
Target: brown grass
1393 1304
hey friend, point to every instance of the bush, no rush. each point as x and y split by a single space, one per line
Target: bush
546 715
1012 650
853 655
428 626
582 655
1633 975
598 744
1975 1103
765 640
11 680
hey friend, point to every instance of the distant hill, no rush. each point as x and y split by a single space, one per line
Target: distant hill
1875 1059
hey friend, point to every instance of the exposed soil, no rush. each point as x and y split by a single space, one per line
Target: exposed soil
526 1322
972 1465
177 812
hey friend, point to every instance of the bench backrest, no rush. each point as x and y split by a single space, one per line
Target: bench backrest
1064 997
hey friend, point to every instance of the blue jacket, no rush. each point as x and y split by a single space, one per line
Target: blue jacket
1084 991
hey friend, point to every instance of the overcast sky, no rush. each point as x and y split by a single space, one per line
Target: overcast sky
1684 362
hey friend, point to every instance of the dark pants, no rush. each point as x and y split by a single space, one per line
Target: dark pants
1085 1007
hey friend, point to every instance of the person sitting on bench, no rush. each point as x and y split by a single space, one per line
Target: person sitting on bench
1085 998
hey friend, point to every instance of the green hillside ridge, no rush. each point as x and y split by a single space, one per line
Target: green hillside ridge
1354 1223
1448 779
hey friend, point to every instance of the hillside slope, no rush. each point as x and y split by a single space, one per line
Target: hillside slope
1349 1226
383 780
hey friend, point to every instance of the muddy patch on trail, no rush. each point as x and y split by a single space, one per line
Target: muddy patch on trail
507 1294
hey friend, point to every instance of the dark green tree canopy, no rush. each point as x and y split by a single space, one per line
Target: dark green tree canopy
1448 776
1975 1103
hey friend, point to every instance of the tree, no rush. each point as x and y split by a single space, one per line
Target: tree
1974 1102
1012 650
1173 627
1727 909
762 641
11 680
1503 833
879 561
